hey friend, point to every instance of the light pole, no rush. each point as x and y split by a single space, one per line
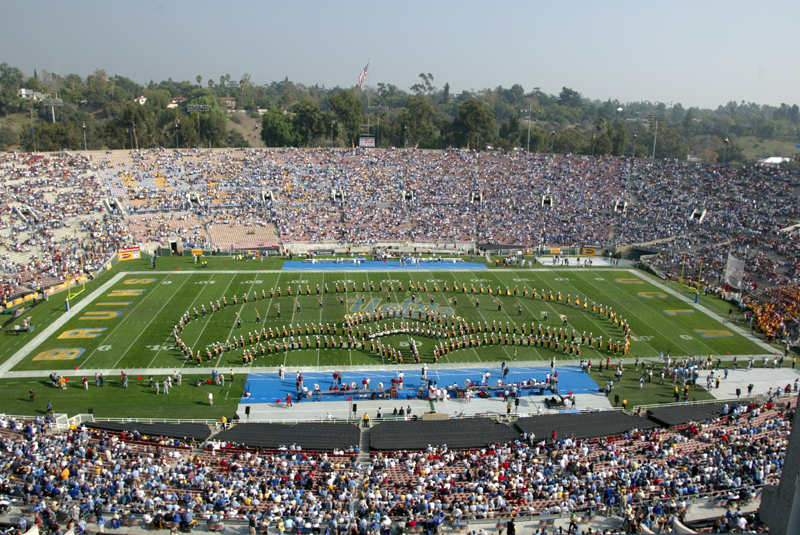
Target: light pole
655 134
53 102
177 125
552 142
85 148
725 150
530 108
634 146
405 136
198 108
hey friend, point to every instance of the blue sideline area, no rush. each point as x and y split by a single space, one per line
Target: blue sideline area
267 387
371 265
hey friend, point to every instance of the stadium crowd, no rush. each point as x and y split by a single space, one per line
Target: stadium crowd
692 215
650 477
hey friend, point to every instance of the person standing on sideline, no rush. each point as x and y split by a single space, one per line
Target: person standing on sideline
85 383
31 395
210 399
158 387
166 386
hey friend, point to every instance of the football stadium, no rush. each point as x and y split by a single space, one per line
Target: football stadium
393 340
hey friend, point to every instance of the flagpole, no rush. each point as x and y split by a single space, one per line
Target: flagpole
368 62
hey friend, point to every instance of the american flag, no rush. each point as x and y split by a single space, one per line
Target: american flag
363 75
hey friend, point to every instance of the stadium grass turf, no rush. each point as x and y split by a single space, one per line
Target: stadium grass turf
140 336
139 400
650 393
146 308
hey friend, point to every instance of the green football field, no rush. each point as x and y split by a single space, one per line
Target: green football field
129 325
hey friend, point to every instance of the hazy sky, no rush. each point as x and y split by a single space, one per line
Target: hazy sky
700 53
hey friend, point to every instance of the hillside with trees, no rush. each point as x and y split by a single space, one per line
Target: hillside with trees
115 112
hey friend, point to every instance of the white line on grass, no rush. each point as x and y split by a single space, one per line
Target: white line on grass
705 311
191 305
141 332
322 296
650 325
120 324
505 348
48 331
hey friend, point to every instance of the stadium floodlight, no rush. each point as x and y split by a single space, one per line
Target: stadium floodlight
199 108
84 136
53 103
634 145
553 142
655 135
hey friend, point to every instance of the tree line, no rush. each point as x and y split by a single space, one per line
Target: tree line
425 116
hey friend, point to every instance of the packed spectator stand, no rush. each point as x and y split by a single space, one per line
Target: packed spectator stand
120 474
64 213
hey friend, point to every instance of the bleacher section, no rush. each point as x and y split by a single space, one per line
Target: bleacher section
198 432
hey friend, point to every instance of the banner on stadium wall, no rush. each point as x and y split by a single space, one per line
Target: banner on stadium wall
555 250
591 251
734 271
198 252
133 253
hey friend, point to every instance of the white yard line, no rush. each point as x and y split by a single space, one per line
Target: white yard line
169 336
704 310
238 315
48 331
148 324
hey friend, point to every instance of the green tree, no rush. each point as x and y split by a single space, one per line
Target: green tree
213 127
277 129
474 126
347 108
50 137
8 137
234 138
569 98
509 133
10 79
619 139
419 120
572 141
308 120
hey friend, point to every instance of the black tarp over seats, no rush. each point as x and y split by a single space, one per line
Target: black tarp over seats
418 435
582 426
309 436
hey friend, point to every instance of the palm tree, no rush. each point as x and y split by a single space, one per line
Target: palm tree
199 80
210 83
599 125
